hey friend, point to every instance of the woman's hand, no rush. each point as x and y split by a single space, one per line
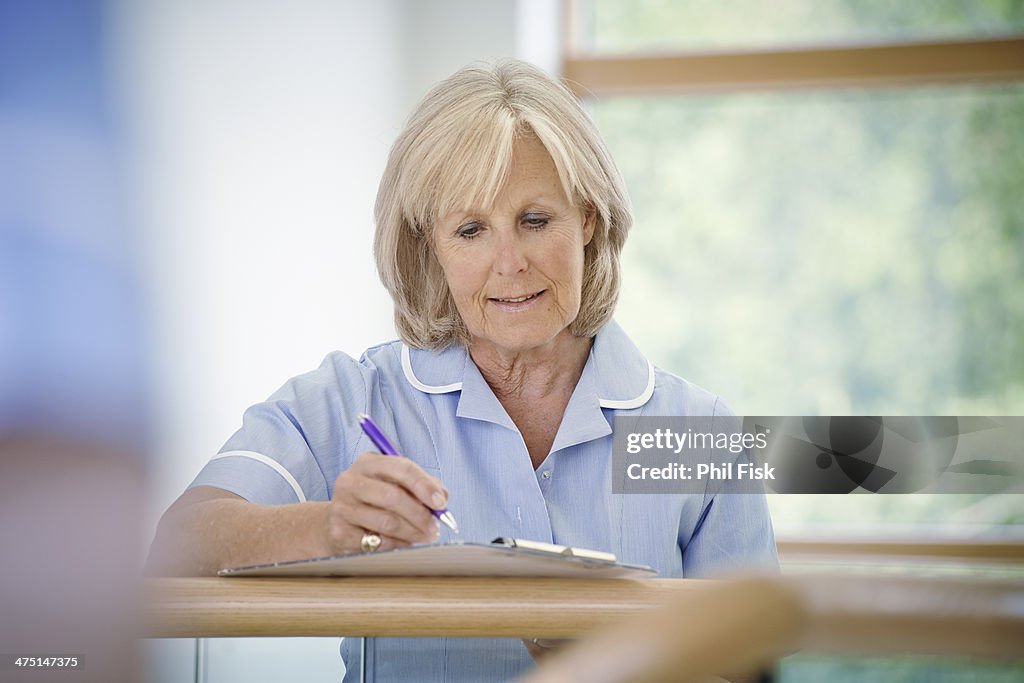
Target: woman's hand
389 496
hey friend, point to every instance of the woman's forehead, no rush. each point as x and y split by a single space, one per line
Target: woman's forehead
531 177
512 198
531 163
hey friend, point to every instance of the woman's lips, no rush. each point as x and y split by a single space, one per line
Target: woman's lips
517 303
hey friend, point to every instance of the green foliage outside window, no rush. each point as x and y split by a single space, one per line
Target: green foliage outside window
657 25
830 252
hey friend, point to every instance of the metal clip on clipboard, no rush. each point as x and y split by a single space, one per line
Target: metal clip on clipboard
555 549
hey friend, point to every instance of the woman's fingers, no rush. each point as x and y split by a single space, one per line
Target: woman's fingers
345 537
405 473
387 496
389 510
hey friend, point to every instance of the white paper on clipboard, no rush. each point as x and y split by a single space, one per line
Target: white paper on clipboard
459 559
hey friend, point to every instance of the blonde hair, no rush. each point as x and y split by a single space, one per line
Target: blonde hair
455 152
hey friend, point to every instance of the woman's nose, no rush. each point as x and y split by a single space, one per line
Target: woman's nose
510 255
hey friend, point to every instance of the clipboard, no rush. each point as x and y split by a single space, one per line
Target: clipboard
504 557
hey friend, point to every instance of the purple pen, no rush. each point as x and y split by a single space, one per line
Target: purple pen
384 446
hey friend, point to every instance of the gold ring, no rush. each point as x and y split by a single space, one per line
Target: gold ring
371 542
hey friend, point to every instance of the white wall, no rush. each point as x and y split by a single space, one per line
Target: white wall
260 129
443 35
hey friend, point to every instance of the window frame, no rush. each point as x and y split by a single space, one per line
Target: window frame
848 65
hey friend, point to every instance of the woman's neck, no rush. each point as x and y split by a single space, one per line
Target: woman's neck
536 373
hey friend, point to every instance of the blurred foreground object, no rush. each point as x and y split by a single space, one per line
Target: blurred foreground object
69 529
742 626
72 381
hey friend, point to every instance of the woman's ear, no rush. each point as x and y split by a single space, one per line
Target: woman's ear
589 222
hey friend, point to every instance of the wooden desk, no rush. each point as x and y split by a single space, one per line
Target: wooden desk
484 607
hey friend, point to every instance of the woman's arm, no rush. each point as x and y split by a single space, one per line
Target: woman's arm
208 528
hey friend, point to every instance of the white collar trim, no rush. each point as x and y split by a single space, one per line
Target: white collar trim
630 403
415 381
624 404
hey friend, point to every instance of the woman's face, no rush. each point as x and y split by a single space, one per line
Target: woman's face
515 269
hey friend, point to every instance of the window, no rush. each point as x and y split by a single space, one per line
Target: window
622 26
832 249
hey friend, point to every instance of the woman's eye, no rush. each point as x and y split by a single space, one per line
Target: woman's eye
535 221
469 231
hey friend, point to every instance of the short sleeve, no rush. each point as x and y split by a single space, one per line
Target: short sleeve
734 532
292 446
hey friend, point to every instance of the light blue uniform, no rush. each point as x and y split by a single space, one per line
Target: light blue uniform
440 412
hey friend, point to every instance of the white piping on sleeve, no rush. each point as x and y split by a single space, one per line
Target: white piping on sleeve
269 462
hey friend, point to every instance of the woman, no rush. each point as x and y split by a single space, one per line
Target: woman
500 219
